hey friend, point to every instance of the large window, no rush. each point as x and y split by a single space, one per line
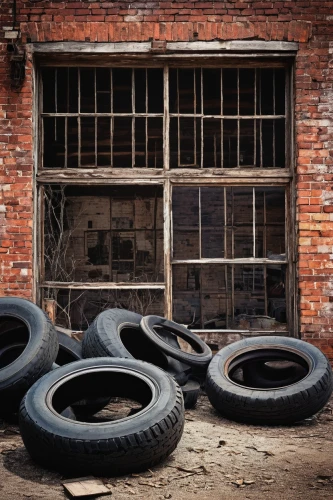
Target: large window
166 190
120 117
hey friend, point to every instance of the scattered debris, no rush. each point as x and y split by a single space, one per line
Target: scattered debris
86 486
221 443
197 450
266 453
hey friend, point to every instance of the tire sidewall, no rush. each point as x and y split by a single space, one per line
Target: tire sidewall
39 329
217 374
164 401
196 360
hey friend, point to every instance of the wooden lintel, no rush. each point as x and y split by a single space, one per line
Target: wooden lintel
246 46
102 285
157 176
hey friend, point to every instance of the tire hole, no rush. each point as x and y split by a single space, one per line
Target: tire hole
127 394
14 337
141 348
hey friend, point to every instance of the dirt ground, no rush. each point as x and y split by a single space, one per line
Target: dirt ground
216 459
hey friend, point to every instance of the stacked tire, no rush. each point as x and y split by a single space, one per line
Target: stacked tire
122 333
59 386
269 381
45 379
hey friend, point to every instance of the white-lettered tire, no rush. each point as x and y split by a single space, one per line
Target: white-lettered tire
279 405
133 443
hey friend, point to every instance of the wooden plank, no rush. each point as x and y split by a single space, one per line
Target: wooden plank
145 47
157 176
232 60
86 486
102 285
50 307
167 215
248 261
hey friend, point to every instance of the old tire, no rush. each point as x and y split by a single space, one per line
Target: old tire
270 375
29 344
71 350
198 360
117 333
133 443
190 394
280 405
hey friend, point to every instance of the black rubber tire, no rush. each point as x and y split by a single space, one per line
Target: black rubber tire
117 333
133 443
200 359
260 374
279 406
190 394
71 350
41 347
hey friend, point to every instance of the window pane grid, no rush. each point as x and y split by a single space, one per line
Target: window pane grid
218 118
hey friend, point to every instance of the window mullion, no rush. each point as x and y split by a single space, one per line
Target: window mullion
166 120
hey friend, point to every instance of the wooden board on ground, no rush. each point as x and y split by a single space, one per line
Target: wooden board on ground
85 486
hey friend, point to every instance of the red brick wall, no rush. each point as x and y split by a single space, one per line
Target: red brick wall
307 22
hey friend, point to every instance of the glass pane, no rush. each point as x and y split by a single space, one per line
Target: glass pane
81 243
88 141
140 142
122 90
155 142
184 91
62 90
185 142
103 141
270 218
212 222
48 78
122 142
238 297
72 142
54 142
87 88
140 90
240 222
230 94
230 136
280 91
280 143
266 89
103 90
73 90
123 214
211 91
268 143
212 142
155 90
185 209
215 301
246 143
186 306
246 91
97 247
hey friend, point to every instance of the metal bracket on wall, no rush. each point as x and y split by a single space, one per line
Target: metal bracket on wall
17 64
158 46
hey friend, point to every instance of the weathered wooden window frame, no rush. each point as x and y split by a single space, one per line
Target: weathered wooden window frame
62 56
